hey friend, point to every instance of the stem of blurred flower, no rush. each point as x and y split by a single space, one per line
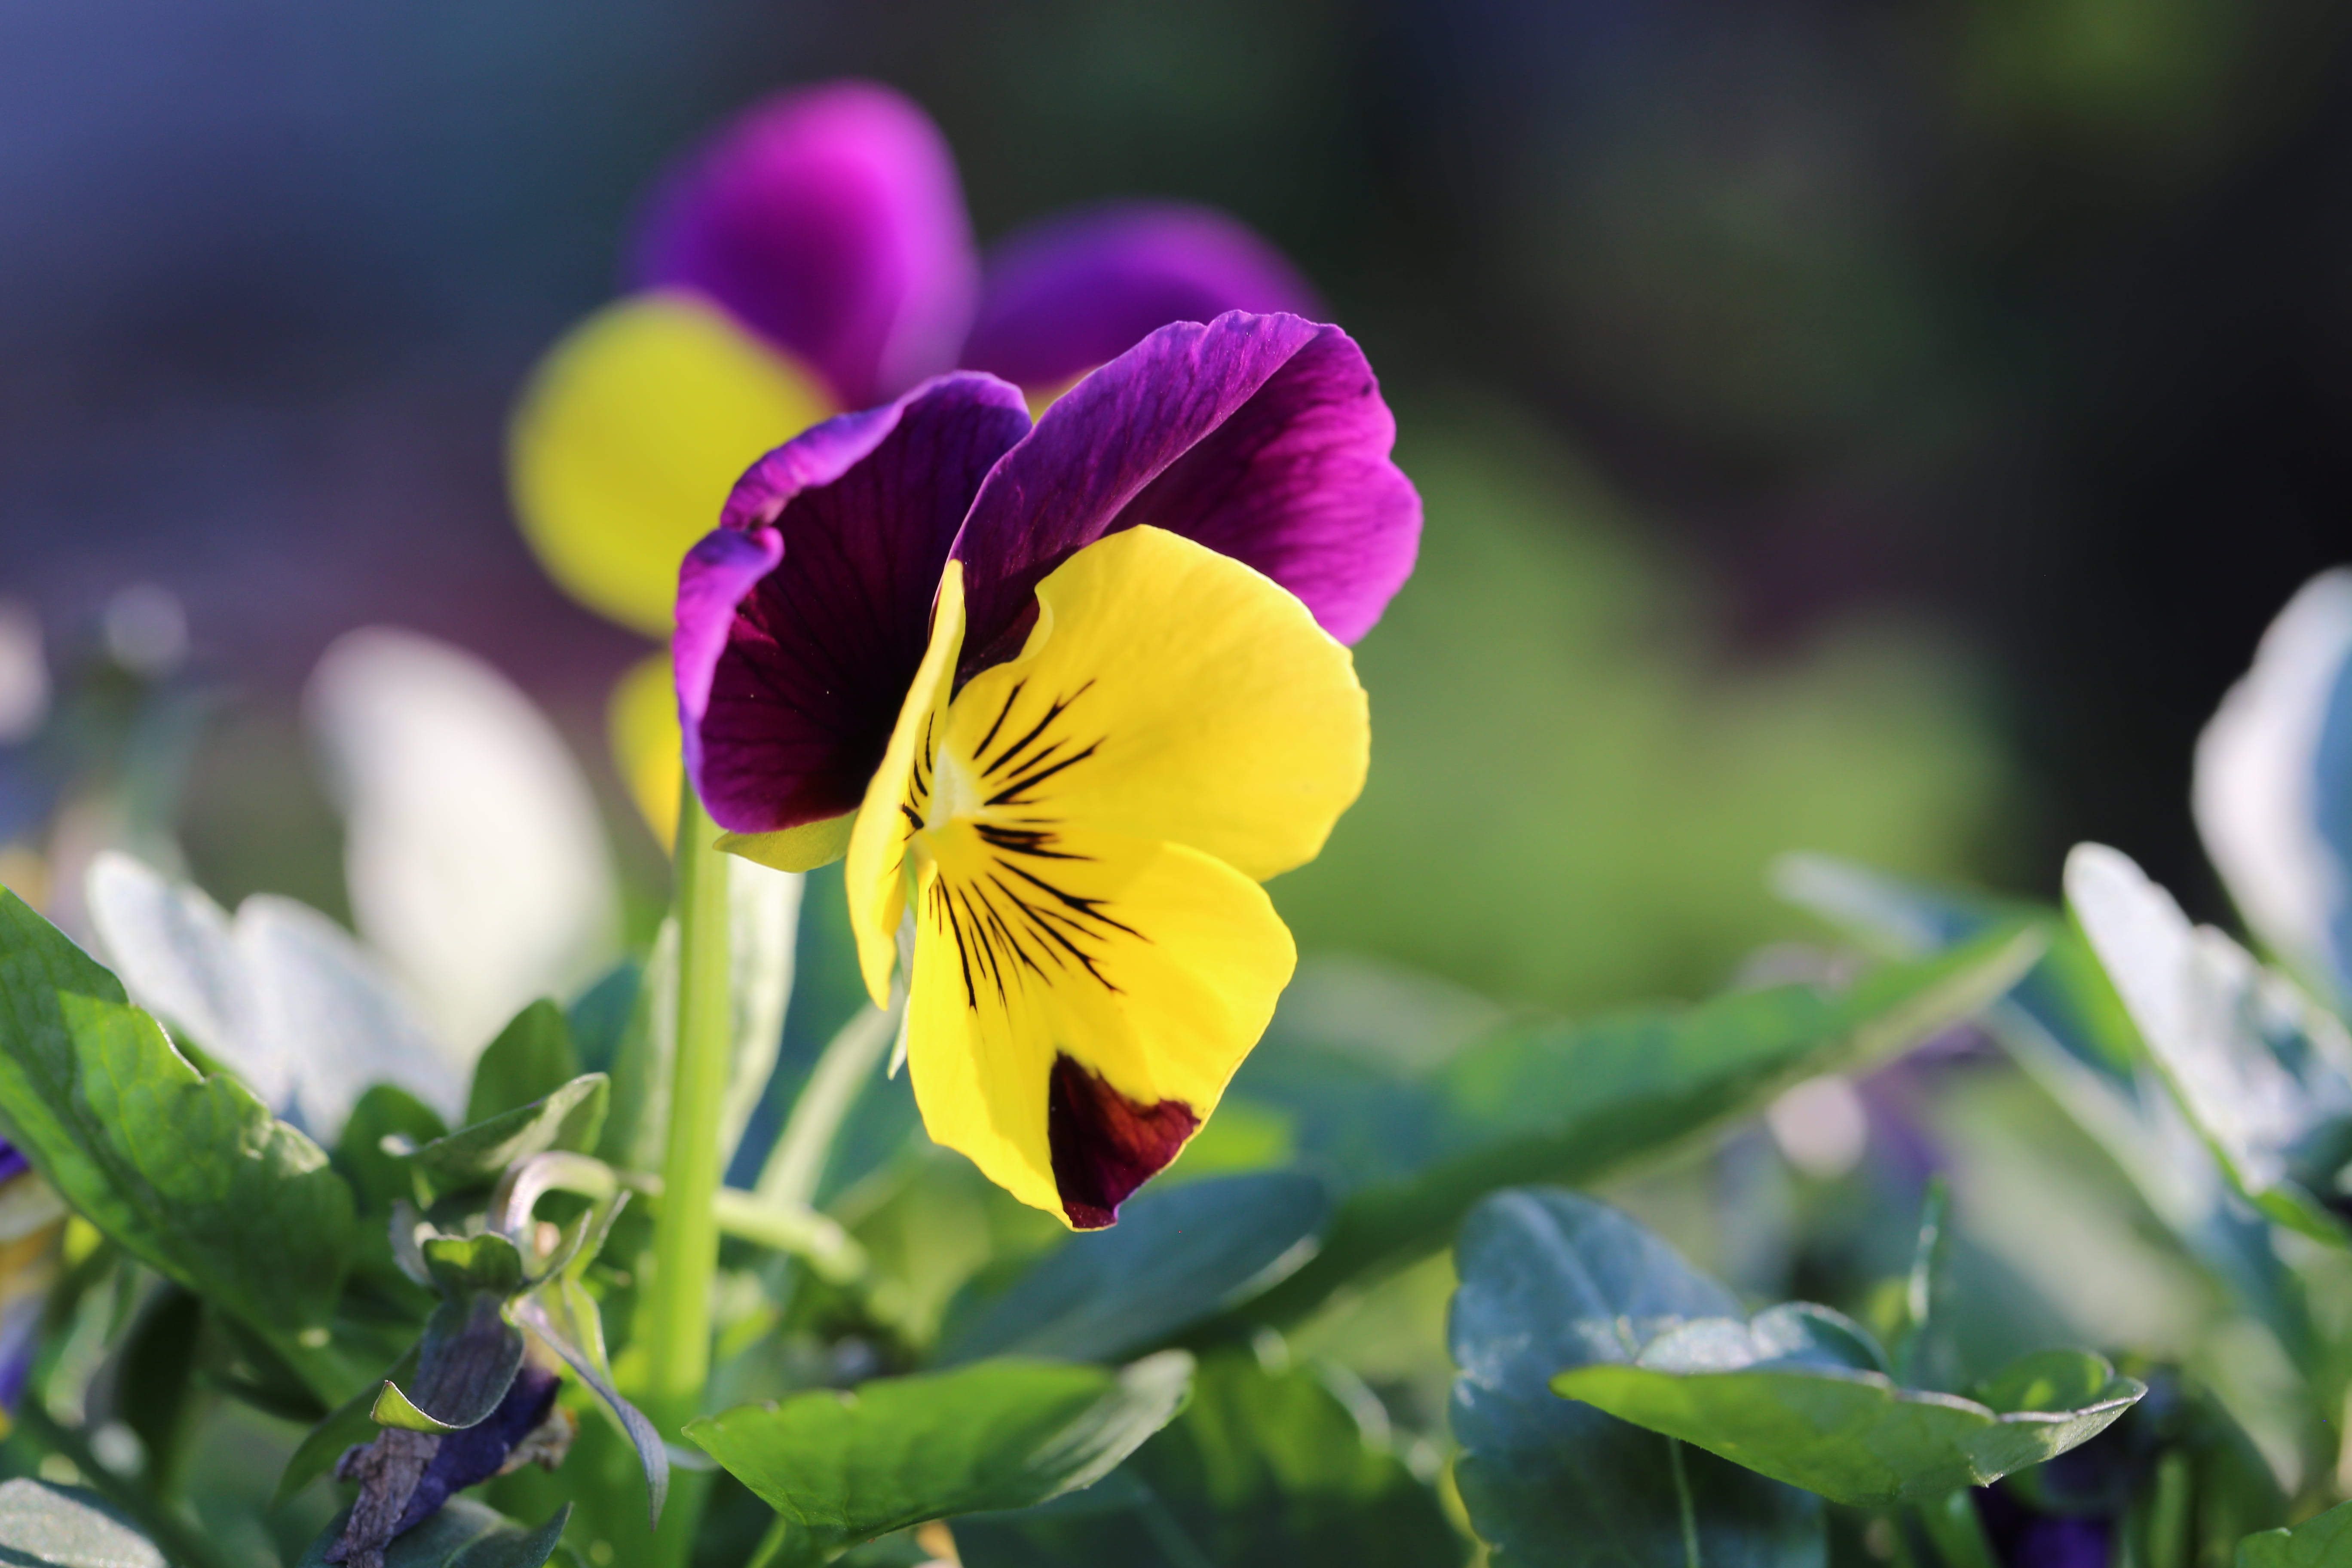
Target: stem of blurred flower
685 1231
796 1164
1683 1503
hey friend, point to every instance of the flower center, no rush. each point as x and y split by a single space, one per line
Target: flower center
955 793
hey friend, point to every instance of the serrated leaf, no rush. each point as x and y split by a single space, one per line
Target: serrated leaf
847 1466
42 1526
1553 1279
530 1058
1264 1469
1574 1103
1853 1436
2325 1542
190 1173
570 1118
2069 1032
463 1535
2261 1071
1176 1256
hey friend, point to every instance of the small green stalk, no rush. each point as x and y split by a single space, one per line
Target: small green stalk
686 1232
797 1163
1684 1507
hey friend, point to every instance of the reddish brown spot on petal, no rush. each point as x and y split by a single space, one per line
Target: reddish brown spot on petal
1105 1145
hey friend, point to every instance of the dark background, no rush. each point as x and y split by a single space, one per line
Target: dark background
2028 321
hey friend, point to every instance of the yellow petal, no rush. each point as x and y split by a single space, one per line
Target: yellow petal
1170 692
1144 969
629 436
802 848
876 871
641 724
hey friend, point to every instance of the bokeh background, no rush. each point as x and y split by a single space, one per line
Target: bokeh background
1882 427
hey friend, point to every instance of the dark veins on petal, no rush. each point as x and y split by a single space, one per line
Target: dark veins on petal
1105 1145
1017 915
819 655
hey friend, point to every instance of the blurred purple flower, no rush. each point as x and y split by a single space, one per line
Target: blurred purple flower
829 221
812 258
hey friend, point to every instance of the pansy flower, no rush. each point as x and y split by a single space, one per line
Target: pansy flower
814 256
1066 695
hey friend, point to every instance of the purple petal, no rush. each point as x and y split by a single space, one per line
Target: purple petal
790 679
13 1162
1263 437
1105 1145
1064 296
475 1454
830 221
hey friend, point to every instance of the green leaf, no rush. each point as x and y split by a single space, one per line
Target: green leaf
570 1119
1264 1469
2067 1030
464 1534
42 1526
1571 1103
847 1466
2260 1070
532 1058
1552 1279
1851 1435
190 1173
378 1176
1176 1256
2322 1542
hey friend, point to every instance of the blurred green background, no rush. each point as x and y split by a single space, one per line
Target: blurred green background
1874 427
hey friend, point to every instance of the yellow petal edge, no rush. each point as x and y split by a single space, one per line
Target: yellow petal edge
629 437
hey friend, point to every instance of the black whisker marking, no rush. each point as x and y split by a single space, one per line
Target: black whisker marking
1005 797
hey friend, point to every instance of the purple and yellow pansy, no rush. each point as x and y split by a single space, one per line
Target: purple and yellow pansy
1064 694
813 258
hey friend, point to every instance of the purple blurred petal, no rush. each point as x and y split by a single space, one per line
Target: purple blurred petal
1064 296
789 683
13 1162
1263 437
830 221
476 1454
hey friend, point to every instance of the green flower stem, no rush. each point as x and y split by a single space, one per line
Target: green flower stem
686 1232
796 1164
1683 1503
816 1238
